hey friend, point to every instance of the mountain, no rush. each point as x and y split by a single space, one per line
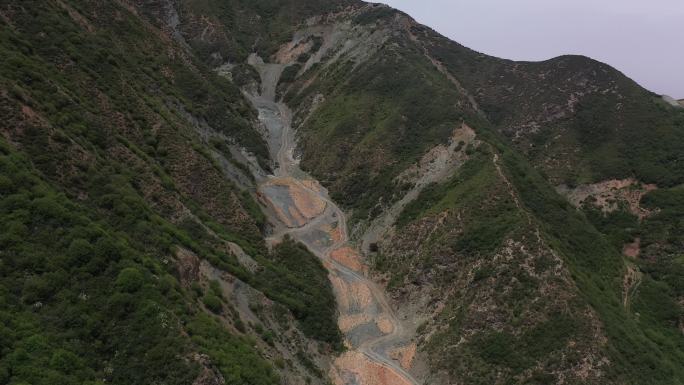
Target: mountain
132 246
314 191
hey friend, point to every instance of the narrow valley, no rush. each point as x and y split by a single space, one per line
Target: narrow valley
379 347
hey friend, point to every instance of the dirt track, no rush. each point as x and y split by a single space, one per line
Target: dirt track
380 348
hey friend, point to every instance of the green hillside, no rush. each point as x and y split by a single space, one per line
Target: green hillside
136 250
114 166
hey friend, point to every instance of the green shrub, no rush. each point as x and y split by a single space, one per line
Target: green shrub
290 73
6 185
297 279
375 14
130 280
80 251
235 357
212 302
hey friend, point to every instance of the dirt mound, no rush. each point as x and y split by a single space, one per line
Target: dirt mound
349 258
404 355
349 322
384 324
363 371
294 204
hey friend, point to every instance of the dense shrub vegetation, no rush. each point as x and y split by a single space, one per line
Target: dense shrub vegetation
644 343
297 279
107 168
593 122
103 177
74 291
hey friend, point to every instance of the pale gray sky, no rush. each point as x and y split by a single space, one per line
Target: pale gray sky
642 38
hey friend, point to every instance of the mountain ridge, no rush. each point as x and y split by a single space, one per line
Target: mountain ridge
136 116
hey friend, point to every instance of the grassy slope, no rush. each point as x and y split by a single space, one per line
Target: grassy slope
615 129
511 313
101 165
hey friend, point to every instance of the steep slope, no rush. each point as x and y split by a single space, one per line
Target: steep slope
132 247
579 120
525 218
489 259
304 211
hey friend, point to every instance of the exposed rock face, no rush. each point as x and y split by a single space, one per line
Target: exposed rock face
436 166
188 264
243 258
208 374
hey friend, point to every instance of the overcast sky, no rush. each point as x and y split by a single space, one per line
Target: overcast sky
642 38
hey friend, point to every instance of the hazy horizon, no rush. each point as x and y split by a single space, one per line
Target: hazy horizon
640 39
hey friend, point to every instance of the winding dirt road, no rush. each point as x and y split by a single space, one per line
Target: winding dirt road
300 206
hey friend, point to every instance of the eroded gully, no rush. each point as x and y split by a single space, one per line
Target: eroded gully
379 348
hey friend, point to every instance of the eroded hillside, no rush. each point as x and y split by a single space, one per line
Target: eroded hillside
525 218
504 277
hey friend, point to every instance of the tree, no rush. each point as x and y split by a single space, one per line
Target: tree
129 280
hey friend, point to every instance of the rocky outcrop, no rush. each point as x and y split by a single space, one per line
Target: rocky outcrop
610 195
188 265
208 375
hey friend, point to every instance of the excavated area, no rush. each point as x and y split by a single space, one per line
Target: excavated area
294 204
379 347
